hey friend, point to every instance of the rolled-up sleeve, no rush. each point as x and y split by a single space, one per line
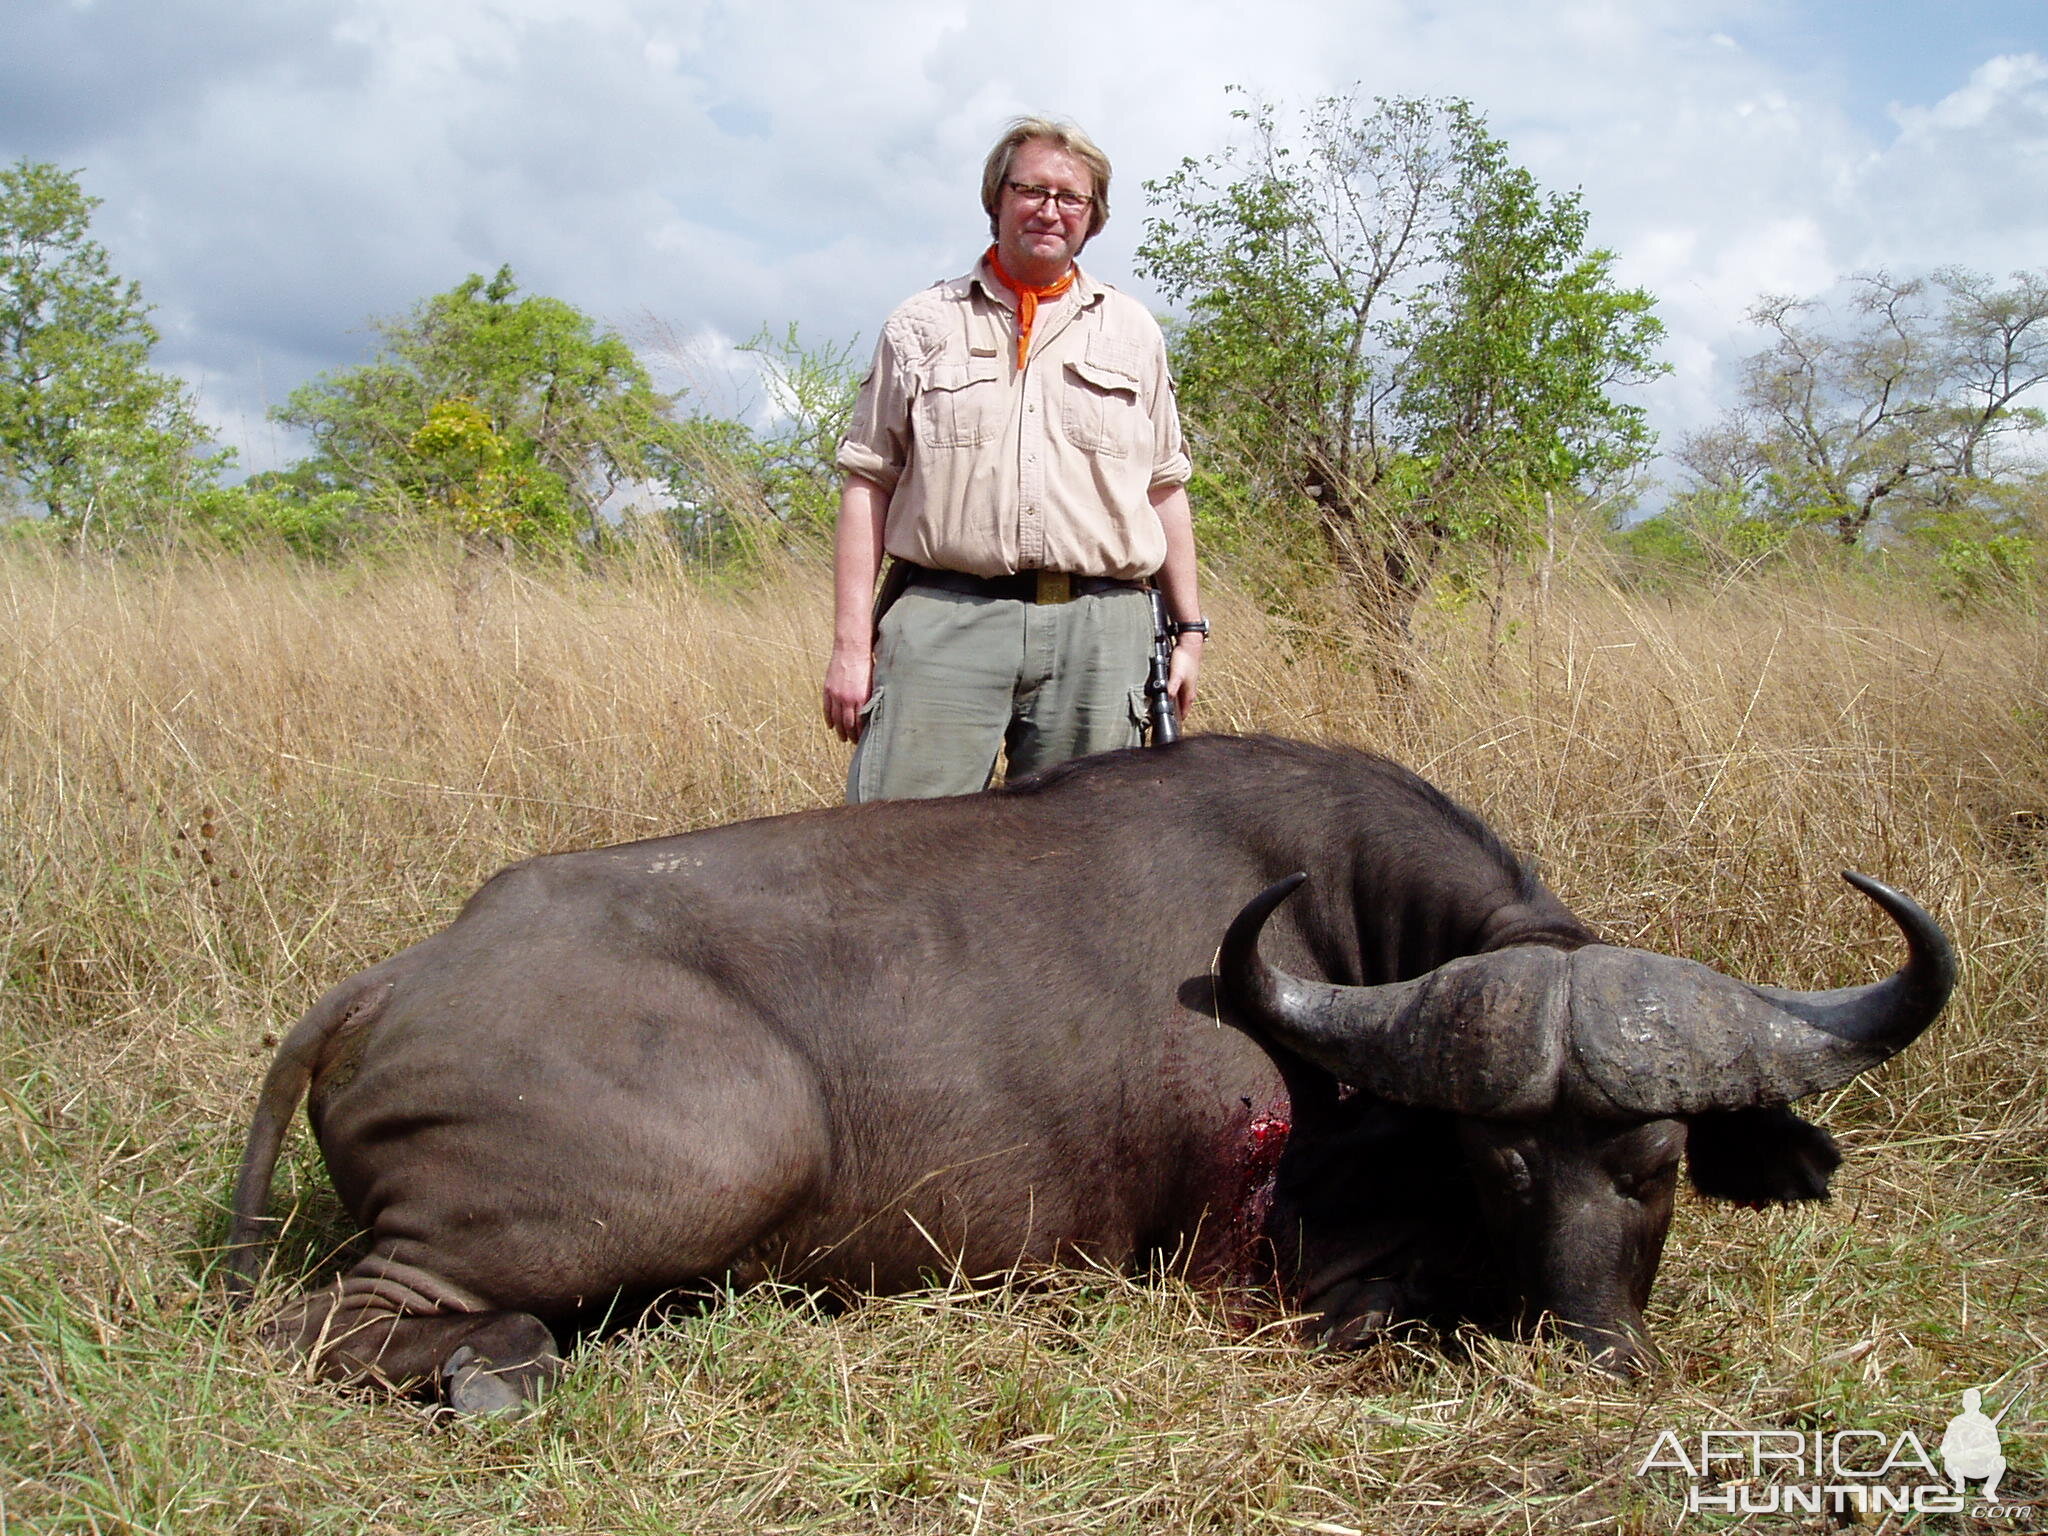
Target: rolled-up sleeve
877 441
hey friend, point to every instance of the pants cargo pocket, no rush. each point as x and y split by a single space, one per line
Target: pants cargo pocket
870 754
1141 717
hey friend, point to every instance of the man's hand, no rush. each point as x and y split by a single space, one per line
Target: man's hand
1177 583
849 683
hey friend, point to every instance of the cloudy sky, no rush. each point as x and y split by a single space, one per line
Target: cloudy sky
276 171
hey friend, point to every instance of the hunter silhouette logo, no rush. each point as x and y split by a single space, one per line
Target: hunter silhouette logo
1969 1446
1842 1471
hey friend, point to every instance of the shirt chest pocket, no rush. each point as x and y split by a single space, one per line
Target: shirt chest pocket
962 403
1100 411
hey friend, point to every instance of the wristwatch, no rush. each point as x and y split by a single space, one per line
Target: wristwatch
1189 627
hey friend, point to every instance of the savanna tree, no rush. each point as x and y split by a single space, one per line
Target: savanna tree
103 445
735 490
1396 341
513 417
1901 411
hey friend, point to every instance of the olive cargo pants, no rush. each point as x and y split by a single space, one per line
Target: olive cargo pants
960 677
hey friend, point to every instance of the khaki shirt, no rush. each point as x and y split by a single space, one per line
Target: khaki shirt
991 470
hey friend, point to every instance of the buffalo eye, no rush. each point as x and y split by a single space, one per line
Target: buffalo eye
1640 1160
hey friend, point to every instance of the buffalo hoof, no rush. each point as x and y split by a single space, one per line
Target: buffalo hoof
472 1385
502 1367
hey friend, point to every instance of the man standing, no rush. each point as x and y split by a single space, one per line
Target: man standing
1016 450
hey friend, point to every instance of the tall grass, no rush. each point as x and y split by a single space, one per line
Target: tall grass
230 783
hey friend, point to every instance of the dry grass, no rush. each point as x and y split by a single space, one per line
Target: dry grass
228 785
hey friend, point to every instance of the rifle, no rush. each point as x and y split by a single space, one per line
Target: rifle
1164 719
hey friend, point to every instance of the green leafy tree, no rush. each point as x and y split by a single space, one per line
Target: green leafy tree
736 492
1396 341
813 389
503 416
274 509
1906 414
88 433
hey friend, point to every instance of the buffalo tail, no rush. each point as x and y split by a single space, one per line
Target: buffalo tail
290 1073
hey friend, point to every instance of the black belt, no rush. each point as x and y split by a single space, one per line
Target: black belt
1021 586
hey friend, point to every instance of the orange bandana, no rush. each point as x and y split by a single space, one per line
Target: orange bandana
1027 301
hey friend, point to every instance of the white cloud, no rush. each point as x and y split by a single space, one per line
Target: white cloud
1966 180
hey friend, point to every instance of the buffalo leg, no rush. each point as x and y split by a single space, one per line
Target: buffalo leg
399 1326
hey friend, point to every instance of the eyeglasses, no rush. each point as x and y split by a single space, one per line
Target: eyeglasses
1068 202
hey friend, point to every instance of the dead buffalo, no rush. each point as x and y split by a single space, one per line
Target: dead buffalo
858 1046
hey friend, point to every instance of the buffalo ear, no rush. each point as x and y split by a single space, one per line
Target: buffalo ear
1759 1157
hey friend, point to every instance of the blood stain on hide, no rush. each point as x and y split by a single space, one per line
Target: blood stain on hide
1265 1140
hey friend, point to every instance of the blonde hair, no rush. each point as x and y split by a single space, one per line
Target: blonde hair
1060 135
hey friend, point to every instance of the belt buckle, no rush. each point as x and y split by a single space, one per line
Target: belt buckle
1055 587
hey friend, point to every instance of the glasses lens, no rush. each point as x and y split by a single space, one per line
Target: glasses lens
1067 202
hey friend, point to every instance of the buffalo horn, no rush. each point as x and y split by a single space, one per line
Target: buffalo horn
1607 1031
1481 1035
1656 1035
